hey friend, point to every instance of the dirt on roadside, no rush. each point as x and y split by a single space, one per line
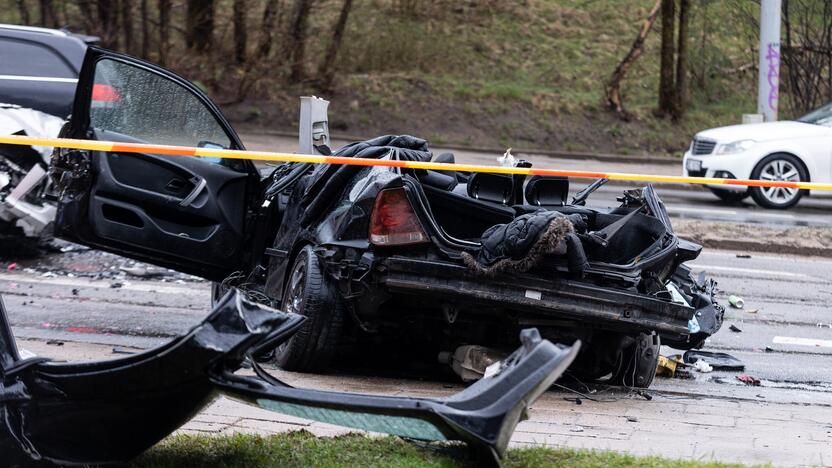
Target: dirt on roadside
812 241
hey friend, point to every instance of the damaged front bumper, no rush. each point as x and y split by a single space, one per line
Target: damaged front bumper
111 411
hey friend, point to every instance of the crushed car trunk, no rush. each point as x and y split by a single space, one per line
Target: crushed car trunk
111 411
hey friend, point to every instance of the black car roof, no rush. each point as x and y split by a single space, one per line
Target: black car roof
71 46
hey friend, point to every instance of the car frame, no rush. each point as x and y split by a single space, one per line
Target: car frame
305 239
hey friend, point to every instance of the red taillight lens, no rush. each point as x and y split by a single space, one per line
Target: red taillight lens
393 221
105 93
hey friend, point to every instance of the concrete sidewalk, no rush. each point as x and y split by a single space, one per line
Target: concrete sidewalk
676 423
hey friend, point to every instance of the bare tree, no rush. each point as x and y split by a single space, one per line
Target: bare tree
23 11
199 24
326 71
613 88
267 24
145 25
240 31
107 22
806 55
681 92
296 47
667 65
126 10
164 30
48 17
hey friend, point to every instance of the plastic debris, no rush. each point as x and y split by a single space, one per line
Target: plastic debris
718 361
736 301
507 159
12 266
743 256
735 329
749 380
701 366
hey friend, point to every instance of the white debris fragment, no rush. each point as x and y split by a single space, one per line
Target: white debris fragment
702 366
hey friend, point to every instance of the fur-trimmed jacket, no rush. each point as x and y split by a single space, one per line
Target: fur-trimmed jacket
520 245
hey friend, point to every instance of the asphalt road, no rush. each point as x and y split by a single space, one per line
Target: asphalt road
785 297
683 201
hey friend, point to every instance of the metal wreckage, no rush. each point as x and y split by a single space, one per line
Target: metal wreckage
452 264
112 411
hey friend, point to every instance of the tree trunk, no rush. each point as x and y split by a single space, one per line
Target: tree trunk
145 29
297 40
91 25
240 31
613 88
199 24
164 30
681 94
48 18
264 45
108 23
127 25
23 11
668 65
327 69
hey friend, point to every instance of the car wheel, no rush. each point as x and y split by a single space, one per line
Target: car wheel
730 196
309 293
778 167
639 361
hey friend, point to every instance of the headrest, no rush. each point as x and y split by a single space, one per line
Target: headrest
497 188
547 191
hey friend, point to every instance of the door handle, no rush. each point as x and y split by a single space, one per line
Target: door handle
199 186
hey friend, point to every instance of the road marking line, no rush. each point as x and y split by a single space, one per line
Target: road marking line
749 270
702 210
793 340
78 282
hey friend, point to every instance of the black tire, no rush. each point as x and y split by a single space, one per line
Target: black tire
309 293
778 199
730 196
639 362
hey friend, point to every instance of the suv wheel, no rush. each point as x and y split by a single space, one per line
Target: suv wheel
778 167
309 293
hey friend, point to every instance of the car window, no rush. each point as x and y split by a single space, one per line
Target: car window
23 58
151 108
820 116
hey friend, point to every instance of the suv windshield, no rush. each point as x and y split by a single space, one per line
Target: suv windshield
819 116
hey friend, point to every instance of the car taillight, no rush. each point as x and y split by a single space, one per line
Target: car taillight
393 221
104 93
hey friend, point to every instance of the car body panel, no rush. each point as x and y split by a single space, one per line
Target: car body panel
43 90
111 411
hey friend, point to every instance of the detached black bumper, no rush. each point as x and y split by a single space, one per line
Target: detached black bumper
539 301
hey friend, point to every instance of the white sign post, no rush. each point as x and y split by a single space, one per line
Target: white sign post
769 77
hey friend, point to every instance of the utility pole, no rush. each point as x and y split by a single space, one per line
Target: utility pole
769 64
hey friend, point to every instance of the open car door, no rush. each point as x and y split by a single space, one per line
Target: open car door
185 213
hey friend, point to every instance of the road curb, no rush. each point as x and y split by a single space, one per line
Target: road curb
576 155
760 247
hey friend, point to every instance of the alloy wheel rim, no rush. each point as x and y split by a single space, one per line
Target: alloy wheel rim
293 302
780 170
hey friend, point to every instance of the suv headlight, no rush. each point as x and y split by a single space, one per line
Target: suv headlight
735 147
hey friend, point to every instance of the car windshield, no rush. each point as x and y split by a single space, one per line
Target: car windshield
819 116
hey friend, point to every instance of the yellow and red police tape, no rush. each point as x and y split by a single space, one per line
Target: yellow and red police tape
111 146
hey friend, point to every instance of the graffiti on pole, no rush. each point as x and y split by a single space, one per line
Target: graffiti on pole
773 60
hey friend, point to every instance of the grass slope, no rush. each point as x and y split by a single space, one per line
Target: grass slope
525 74
303 449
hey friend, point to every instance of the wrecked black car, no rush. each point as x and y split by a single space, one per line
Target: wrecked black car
450 263
112 411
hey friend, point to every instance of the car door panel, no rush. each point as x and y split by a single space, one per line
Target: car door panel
186 213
